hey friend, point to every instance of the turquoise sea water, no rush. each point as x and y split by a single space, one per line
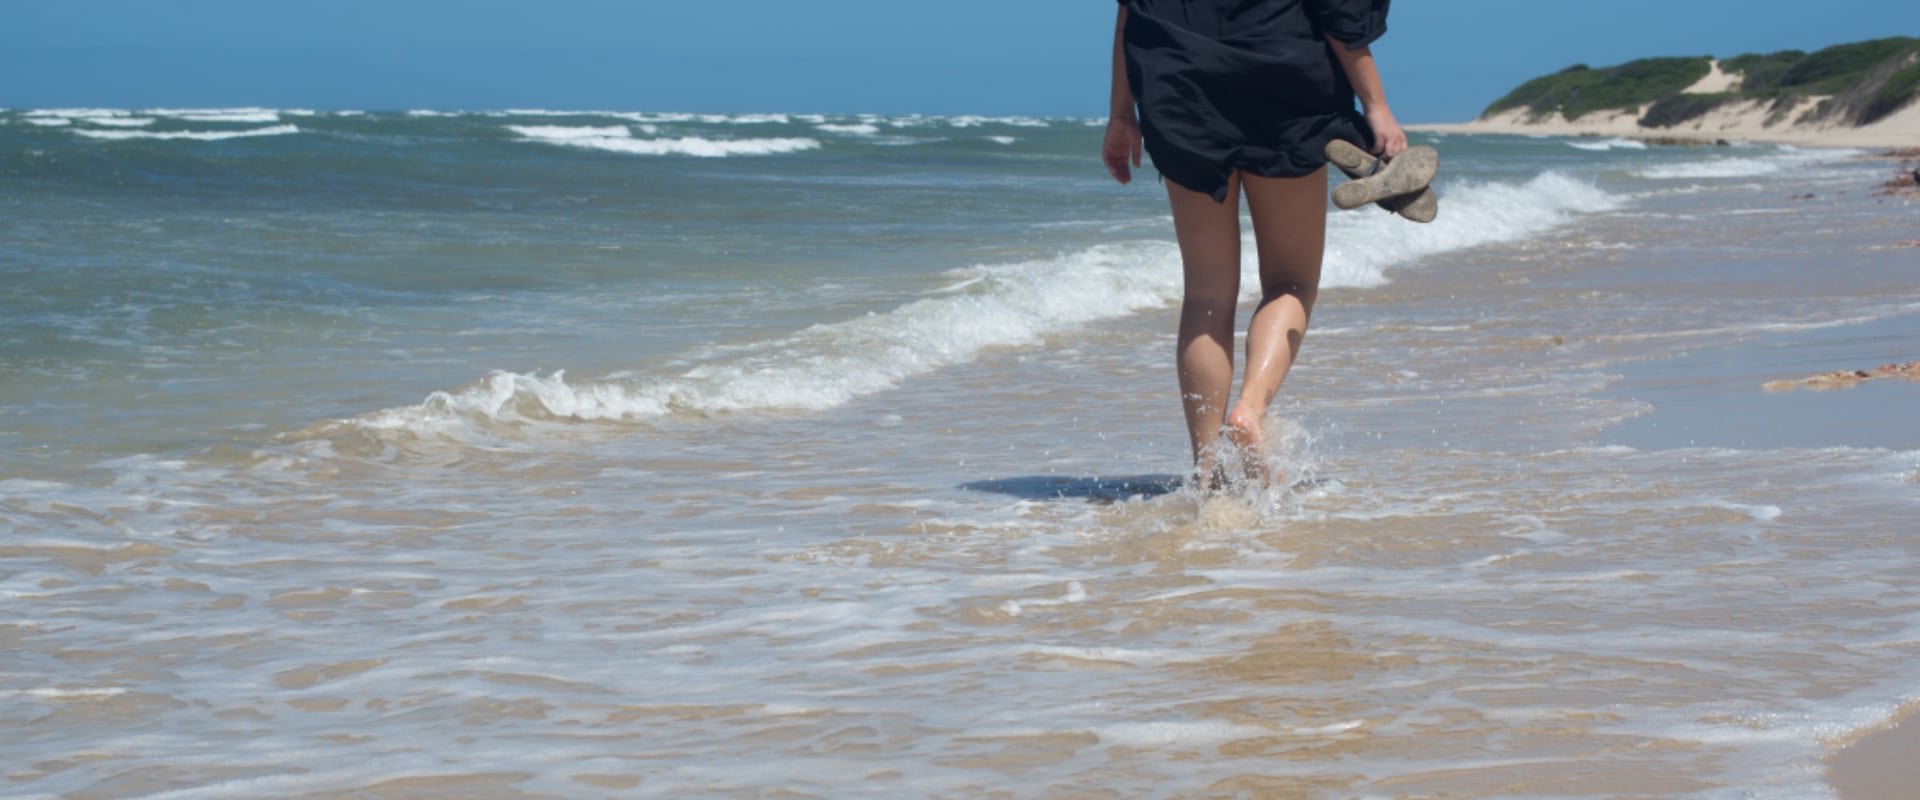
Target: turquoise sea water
592 453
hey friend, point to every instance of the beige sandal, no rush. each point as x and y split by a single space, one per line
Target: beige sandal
1402 185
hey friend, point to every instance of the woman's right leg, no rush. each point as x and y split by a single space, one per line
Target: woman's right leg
1290 230
1209 235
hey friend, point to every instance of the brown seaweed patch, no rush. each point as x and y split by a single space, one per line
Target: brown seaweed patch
1843 379
1905 181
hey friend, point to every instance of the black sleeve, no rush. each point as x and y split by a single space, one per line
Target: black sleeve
1357 23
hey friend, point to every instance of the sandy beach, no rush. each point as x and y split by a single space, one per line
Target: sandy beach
1743 121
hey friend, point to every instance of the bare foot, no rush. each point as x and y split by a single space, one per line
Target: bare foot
1244 430
1206 472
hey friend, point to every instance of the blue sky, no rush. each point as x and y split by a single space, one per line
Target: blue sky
1444 60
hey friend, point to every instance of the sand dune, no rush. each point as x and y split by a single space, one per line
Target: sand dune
1742 121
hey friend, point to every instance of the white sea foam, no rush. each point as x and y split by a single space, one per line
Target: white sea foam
80 113
862 129
1742 166
969 121
234 115
49 122
204 136
1716 168
120 122
1363 244
1607 144
686 146
562 133
655 117
548 112
1002 139
717 119
827 365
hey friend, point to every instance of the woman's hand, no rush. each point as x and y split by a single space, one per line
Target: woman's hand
1121 151
1123 126
1388 139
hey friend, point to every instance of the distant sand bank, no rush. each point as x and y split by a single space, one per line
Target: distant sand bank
1743 121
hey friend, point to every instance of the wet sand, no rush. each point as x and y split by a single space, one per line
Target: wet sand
1880 765
1717 397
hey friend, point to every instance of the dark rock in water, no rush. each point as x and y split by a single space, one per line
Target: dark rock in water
1903 183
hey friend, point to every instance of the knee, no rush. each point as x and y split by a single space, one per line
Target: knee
1209 300
1301 292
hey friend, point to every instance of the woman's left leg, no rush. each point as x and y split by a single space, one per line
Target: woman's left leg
1209 235
1290 232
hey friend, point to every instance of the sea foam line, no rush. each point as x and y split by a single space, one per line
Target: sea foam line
119 122
828 365
562 133
619 139
981 307
239 115
1363 244
857 129
1742 166
79 113
1615 143
971 121
204 136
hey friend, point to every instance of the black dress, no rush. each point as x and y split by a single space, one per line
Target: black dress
1244 84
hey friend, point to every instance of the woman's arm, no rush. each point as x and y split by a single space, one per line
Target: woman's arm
1123 128
1388 138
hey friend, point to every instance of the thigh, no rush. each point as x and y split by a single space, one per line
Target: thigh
1289 228
1209 235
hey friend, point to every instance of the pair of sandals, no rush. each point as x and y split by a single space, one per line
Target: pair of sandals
1402 186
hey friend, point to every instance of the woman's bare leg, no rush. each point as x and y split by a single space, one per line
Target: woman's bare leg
1209 235
1290 232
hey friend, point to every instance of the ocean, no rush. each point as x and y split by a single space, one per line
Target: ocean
601 454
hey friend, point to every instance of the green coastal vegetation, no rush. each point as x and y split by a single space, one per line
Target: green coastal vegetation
1859 83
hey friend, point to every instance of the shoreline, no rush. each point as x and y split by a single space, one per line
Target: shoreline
1739 122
